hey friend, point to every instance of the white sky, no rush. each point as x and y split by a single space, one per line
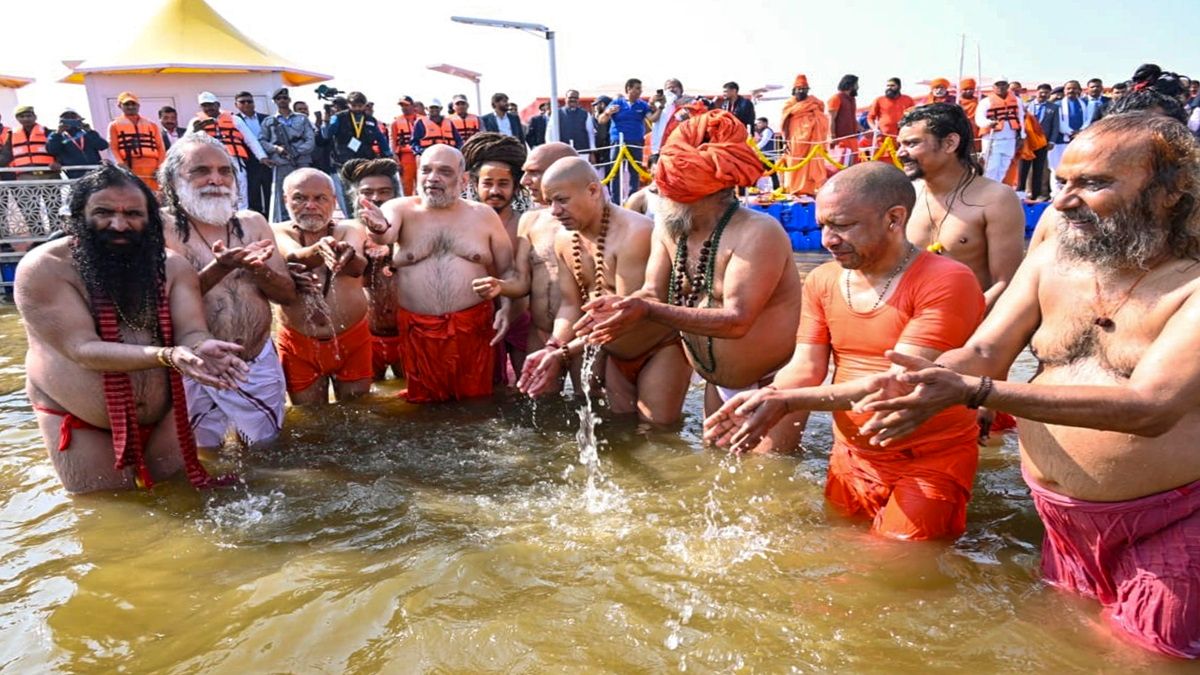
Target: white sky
704 43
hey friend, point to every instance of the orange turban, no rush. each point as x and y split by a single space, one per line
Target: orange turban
704 155
967 83
801 81
942 82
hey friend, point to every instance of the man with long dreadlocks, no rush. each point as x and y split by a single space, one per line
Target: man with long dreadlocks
241 274
960 213
325 335
376 181
602 251
113 319
494 164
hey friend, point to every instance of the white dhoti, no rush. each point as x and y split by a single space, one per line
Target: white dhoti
254 410
998 155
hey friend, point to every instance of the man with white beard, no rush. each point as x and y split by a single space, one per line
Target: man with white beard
443 243
325 336
240 275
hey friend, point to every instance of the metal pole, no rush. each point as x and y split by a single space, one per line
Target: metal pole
552 135
962 47
478 98
622 175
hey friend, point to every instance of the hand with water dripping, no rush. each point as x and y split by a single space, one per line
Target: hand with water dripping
541 372
335 253
907 399
306 281
212 362
608 317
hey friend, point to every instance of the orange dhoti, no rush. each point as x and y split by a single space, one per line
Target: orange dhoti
448 356
347 356
908 494
385 351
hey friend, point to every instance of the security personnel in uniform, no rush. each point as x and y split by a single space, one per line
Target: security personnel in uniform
27 147
434 129
401 137
233 133
135 141
466 124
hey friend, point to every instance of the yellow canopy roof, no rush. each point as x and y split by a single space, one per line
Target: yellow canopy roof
14 82
188 36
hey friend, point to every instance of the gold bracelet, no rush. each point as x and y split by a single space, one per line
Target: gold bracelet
162 357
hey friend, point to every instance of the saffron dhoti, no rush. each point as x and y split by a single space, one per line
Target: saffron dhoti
447 356
347 357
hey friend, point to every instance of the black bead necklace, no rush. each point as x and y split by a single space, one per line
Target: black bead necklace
701 283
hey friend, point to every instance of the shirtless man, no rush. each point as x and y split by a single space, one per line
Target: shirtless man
879 293
1108 428
241 274
737 310
444 242
375 181
602 251
960 213
535 266
325 335
645 201
494 163
116 391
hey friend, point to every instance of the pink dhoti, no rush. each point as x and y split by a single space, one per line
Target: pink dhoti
1140 558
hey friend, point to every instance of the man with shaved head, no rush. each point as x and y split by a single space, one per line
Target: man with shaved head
535 265
1109 425
880 293
325 335
602 252
442 244
721 275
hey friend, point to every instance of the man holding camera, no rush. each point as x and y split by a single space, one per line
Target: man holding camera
75 143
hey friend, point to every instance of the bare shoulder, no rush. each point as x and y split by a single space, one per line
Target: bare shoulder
177 264
284 229
992 193
254 225
632 221
526 223
349 228
48 262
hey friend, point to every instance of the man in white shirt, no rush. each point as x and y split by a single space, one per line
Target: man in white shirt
1000 117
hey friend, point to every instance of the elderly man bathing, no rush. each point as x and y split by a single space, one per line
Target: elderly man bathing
1109 425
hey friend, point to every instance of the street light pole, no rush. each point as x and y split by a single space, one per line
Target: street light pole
552 134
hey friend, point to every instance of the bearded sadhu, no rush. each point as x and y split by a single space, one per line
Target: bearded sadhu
719 274
113 320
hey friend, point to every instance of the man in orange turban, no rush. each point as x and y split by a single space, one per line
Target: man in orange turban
968 102
720 274
939 92
804 125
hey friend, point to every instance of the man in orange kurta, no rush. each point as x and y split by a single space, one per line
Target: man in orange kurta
886 111
804 125
969 102
939 92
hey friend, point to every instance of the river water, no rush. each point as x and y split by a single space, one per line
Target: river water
382 537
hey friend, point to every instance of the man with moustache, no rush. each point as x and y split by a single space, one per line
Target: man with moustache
939 92
135 141
1071 121
325 336
443 243
1001 120
959 213
886 111
535 265
375 181
803 126
494 163
969 104
721 275
605 249
241 274
1109 424
113 319
878 294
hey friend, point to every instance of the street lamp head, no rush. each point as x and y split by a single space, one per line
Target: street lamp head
501 23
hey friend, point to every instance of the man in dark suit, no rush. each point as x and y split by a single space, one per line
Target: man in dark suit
741 108
1095 104
1046 112
258 176
537 126
501 121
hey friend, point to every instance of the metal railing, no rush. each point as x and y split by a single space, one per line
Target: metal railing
31 209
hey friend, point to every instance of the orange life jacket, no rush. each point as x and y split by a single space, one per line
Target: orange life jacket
1003 110
401 135
131 139
437 134
467 127
5 132
30 149
226 131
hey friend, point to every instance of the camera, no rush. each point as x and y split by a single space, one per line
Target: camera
326 93
72 124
